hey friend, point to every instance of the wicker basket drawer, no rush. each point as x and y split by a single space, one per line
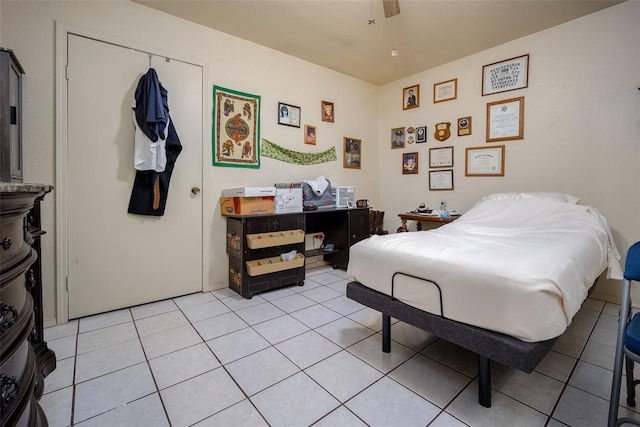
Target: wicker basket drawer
271 265
276 238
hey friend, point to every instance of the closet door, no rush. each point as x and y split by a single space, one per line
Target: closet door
117 259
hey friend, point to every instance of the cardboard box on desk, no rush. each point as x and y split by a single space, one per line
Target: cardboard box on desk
246 205
288 197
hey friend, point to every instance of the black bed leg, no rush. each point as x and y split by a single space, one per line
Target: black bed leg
386 333
484 379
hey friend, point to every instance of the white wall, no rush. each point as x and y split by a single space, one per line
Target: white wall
581 126
29 29
582 132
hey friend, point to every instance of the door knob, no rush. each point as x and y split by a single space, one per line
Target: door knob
195 190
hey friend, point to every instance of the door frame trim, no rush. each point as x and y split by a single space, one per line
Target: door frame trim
63 30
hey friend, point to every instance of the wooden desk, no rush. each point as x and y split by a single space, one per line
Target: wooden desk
420 218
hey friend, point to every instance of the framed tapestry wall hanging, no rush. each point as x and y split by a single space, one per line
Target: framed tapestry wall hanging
236 128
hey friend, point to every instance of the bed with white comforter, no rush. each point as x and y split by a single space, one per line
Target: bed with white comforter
519 264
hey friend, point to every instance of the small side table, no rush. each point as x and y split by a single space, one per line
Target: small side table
420 218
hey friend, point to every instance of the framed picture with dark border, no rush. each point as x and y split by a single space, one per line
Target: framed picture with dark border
421 134
327 111
288 115
352 153
411 97
409 163
235 138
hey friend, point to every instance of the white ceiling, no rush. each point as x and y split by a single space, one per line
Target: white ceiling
336 33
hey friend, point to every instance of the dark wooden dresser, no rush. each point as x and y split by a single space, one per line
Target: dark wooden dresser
25 358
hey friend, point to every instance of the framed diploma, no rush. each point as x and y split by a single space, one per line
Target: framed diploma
441 180
510 74
445 91
505 120
441 157
484 161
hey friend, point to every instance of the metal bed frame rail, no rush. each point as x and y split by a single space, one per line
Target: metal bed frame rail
488 345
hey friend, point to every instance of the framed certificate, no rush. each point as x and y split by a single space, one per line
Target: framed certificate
484 161
445 91
441 157
505 120
510 74
441 180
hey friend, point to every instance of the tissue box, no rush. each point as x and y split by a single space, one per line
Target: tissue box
288 197
246 205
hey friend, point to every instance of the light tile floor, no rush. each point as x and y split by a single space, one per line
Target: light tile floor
301 356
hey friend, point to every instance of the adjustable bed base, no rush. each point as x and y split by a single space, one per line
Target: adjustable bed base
488 345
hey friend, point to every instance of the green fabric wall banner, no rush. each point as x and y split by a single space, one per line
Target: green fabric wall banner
269 149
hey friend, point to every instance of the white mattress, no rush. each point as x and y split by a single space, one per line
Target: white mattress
521 267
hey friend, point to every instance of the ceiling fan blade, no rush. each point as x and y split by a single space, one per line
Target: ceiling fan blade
391 8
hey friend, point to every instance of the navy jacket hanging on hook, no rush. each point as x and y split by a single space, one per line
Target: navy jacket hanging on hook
153 123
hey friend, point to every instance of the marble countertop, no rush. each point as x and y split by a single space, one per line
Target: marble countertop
24 187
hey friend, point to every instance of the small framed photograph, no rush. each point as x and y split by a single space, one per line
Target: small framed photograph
397 138
326 111
441 180
409 163
484 161
352 153
503 76
411 97
445 91
288 115
421 134
349 204
464 126
441 157
309 134
505 120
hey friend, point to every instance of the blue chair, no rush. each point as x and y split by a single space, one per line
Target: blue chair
628 344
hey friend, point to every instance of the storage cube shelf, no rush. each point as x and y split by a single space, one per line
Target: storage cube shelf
267 240
258 267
